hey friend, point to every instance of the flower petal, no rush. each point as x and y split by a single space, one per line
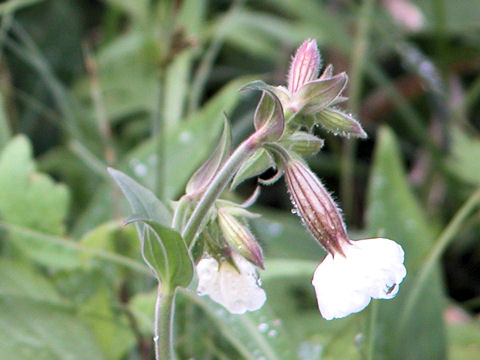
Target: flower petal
371 268
237 291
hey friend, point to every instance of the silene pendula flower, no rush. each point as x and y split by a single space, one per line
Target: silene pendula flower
237 288
306 92
353 272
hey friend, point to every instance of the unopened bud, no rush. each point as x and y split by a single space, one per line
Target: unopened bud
240 238
305 65
315 206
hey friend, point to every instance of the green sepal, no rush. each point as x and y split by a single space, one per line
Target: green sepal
339 123
165 252
255 165
204 175
303 143
317 95
269 120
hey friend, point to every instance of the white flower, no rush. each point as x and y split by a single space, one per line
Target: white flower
237 290
371 268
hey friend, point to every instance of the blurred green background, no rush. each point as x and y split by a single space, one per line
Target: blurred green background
141 86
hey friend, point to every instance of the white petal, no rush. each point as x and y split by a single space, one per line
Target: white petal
208 279
371 268
237 291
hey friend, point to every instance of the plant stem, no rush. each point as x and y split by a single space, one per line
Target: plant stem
164 314
358 59
179 214
441 244
216 187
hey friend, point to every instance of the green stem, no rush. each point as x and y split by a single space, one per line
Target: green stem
216 187
179 214
441 244
358 59
164 314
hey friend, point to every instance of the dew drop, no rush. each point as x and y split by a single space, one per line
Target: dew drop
263 327
272 333
185 137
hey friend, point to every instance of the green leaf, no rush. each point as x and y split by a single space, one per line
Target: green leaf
35 324
14 5
111 330
339 123
194 136
5 131
165 252
394 212
463 161
143 202
255 335
464 340
32 200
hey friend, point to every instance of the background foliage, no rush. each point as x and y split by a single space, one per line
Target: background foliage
83 85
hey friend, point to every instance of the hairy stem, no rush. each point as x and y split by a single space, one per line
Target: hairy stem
164 314
216 187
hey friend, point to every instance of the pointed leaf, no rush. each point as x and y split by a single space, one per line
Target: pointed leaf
394 212
202 177
255 165
165 252
144 203
339 123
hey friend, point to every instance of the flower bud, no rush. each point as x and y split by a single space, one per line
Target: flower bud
315 206
305 66
240 238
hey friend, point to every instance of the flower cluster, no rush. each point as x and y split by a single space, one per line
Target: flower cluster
353 272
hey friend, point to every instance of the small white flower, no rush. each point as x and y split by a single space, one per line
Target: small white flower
237 290
371 268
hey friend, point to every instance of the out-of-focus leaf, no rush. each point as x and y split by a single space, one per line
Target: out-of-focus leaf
111 237
111 331
38 326
5 132
464 340
255 334
165 252
393 212
142 306
144 203
32 200
463 161
189 144
14 5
